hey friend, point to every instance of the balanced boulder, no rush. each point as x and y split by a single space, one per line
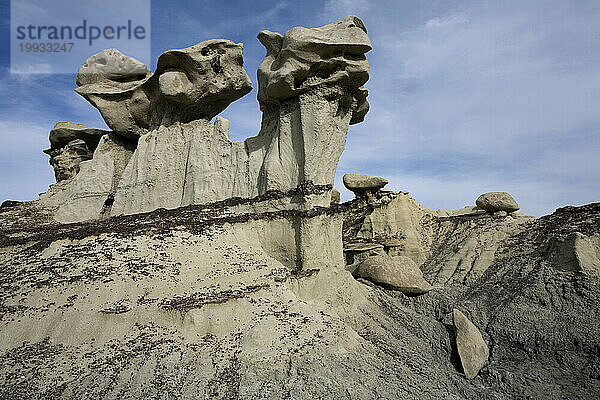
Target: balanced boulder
497 201
360 184
400 273
199 81
112 68
472 349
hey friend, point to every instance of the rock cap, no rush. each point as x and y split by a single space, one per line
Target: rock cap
497 201
64 132
360 184
111 72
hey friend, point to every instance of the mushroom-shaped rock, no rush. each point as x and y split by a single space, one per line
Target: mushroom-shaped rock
65 132
114 84
472 350
360 184
335 196
70 144
497 201
398 272
305 58
200 81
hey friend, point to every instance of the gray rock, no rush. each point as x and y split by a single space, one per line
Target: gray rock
64 132
113 68
66 160
192 83
200 81
91 192
181 158
114 84
392 242
574 252
305 58
497 201
472 349
398 272
335 196
70 144
361 184
362 247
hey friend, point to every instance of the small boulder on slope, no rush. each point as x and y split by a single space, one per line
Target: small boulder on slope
472 349
497 201
398 272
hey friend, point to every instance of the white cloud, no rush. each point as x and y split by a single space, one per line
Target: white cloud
489 97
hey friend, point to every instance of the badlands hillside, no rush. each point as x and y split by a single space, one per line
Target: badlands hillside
168 262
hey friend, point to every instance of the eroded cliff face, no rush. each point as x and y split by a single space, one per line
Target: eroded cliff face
220 301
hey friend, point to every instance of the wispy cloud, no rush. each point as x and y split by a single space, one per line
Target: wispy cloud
494 96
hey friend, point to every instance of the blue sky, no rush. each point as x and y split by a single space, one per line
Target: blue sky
466 97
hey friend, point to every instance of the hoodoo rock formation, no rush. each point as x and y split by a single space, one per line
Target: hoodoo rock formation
171 262
310 91
70 144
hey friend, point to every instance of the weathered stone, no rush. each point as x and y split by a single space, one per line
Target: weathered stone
249 296
91 192
183 159
362 246
575 252
64 132
70 144
360 184
497 201
305 58
199 81
391 243
472 349
335 196
66 160
111 69
114 84
398 272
